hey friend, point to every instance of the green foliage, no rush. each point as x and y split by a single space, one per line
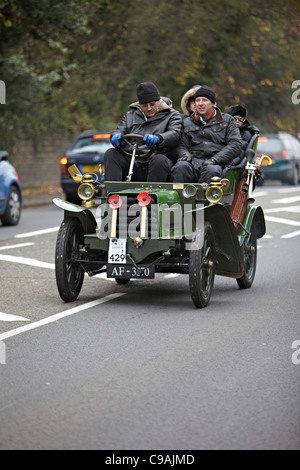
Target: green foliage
75 64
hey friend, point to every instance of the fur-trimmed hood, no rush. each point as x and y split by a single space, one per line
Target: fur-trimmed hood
186 97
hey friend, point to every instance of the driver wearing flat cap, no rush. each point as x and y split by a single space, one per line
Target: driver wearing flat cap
160 125
209 143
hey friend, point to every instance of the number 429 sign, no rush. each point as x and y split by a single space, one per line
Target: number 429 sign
117 251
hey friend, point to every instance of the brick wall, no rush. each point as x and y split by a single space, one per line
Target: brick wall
39 167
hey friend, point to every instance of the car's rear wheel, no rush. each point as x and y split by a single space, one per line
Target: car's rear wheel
250 260
69 273
294 180
12 212
202 267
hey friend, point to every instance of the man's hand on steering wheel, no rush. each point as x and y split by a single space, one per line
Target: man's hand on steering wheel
115 140
151 140
138 143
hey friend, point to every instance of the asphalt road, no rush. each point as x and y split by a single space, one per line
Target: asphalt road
138 367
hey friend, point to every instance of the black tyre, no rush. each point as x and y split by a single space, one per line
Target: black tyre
294 180
122 281
73 198
250 260
202 268
12 212
69 273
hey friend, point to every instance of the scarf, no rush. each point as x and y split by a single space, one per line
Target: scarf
199 118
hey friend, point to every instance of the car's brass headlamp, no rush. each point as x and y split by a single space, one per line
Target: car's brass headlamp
214 193
86 191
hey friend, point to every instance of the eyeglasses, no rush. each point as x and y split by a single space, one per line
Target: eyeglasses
239 118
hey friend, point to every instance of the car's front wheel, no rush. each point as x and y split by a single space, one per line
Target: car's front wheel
69 273
12 212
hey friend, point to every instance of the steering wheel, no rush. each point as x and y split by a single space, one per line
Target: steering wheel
139 152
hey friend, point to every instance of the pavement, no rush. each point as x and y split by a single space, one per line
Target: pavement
41 196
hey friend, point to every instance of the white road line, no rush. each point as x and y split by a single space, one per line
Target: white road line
291 235
282 221
37 232
20 245
292 209
40 264
287 200
11 318
27 261
58 316
288 190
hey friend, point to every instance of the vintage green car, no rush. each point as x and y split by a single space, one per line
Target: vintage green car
141 229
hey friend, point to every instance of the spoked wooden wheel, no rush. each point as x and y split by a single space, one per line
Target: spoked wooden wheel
250 260
202 267
69 273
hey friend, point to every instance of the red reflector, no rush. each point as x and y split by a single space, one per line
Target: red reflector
284 153
64 161
102 136
263 139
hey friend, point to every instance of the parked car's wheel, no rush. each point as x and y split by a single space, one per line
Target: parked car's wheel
12 212
69 273
250 260
294 180
202 268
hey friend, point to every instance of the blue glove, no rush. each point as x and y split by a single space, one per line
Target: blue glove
115 140
151 140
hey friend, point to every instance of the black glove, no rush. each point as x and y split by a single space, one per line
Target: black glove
210 161
186 158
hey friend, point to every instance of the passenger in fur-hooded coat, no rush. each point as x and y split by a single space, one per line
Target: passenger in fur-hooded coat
187 99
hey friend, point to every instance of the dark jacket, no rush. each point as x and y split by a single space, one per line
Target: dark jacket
219 139
166 124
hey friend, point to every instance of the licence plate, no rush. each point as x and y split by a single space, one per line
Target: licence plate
128 271
117 250
91 168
